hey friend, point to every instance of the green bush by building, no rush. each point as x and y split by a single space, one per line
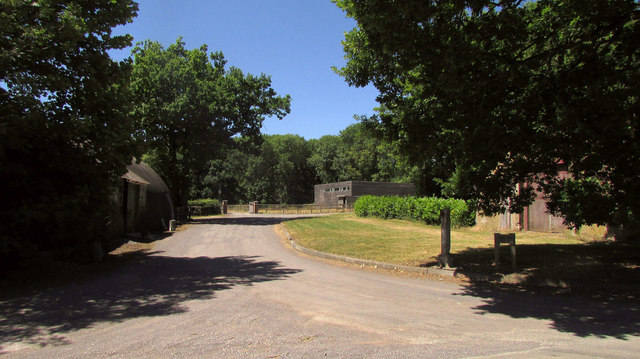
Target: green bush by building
204 207
425 209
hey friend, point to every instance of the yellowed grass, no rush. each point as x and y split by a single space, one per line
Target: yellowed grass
398 241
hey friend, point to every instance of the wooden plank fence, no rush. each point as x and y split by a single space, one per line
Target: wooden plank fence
290 208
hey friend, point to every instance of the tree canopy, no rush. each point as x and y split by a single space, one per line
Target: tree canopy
65 134
189 105
284 168
356 155
505 92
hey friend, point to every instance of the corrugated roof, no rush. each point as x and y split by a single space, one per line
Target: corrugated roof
146 173
134 178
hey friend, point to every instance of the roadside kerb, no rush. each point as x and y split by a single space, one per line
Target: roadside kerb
452 272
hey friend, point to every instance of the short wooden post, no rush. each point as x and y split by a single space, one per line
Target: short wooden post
444 258
509 239
253 207
225 205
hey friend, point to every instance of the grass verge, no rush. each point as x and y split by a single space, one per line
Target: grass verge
560 260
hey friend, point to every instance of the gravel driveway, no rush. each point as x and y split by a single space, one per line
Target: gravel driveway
229 288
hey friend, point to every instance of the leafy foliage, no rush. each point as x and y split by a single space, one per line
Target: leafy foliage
284 168
425 209
189 107
276 171
65 134
205 206
502 92
357 155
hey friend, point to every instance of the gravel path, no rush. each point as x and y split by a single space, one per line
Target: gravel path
230 288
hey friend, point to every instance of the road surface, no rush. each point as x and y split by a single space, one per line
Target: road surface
229 288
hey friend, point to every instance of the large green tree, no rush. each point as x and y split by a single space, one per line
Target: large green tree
275 172
189 105
502 92
65 136
296 176
284 168
357 155
222 176
323 158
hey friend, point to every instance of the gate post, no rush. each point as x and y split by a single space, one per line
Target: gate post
444 258
253 207
509 239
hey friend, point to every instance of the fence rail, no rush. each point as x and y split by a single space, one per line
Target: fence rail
290 208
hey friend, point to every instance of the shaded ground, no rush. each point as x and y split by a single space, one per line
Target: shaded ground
147 284
228 288
604 270
46 273
592 318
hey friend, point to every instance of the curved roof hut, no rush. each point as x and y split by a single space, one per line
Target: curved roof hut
146 200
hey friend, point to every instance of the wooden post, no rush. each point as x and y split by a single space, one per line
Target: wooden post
445 238
509 239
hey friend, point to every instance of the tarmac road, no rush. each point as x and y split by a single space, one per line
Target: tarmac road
230 288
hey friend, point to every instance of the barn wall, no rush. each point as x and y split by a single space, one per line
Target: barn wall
383 189
333 194
327 194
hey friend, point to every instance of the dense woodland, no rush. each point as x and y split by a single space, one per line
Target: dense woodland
284 168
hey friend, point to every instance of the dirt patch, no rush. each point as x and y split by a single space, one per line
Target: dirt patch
132 247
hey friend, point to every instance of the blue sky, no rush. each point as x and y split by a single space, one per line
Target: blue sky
294 41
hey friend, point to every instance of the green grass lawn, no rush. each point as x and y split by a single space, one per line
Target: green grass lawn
397 241
564 257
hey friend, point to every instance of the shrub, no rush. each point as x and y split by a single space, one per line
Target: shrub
204 207
426 209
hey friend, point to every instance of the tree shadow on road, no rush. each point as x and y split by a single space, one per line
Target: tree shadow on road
157 286
583 317
600 281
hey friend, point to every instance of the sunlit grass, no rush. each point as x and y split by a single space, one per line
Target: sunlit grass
598 268
398 241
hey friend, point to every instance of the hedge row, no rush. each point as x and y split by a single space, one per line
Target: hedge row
204 207
426 209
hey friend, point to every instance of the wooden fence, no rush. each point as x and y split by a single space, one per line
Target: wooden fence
290 208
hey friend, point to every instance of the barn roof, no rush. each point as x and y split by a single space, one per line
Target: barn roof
142 170
134 178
